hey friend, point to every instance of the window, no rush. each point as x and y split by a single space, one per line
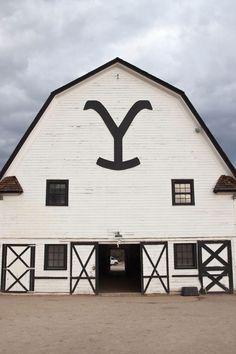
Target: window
182 192
57 192
185 255
55 257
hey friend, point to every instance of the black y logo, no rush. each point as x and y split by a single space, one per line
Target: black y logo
118 133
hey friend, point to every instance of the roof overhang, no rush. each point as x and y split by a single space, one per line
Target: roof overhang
225 184
10 185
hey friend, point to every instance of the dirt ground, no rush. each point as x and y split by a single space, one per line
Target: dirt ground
117 324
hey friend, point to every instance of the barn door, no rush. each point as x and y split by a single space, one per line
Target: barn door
18 268
84 272
215 266
155 272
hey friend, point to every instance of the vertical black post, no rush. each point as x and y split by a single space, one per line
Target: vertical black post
71 259
230 274
32 266
4 264
167 267
200 276
141 267
97 268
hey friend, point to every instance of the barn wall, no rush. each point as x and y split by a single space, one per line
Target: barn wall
48 281
176 283
50 285
137 202
63 285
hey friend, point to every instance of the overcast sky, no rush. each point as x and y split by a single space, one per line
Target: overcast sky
44 44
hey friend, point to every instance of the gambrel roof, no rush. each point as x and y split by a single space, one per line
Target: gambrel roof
140 72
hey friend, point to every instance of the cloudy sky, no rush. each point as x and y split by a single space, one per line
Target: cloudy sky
46 43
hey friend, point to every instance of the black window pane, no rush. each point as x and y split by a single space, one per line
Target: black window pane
55 257
50 263
57 193
58 199
185 255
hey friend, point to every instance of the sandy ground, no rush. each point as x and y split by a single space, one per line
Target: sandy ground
117 324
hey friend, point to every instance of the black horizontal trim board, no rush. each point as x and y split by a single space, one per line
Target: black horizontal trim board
208 269
140 72
155 276
17 292
86 278
51 278
19 244
221 274
185 276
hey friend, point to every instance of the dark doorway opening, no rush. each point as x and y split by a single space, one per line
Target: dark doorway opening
119 268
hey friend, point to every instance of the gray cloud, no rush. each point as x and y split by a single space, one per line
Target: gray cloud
188 44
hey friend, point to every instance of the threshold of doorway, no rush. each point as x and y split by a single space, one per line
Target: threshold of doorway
121 294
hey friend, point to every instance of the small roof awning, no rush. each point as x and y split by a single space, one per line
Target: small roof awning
10 185
225 184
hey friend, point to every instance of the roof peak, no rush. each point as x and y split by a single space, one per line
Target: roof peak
125 64
141 73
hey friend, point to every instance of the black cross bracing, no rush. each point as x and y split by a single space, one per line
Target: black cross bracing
18 256
83 273
17 280
28 268
155 273
221 271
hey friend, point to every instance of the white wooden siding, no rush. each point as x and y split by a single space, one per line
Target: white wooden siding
50 285
63 285
176 283
66 144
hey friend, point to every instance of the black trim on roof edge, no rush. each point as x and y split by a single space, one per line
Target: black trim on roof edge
110 63
25 136
137 70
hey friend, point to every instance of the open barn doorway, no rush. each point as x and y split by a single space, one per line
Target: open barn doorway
119 268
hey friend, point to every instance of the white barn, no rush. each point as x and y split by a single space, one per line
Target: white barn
117 159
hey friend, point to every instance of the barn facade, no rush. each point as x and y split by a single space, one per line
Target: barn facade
117 160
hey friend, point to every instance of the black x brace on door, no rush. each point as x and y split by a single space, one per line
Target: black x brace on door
84 267
18 262
154 265
215 266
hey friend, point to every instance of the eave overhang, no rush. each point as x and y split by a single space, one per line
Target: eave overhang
10 185
225 184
